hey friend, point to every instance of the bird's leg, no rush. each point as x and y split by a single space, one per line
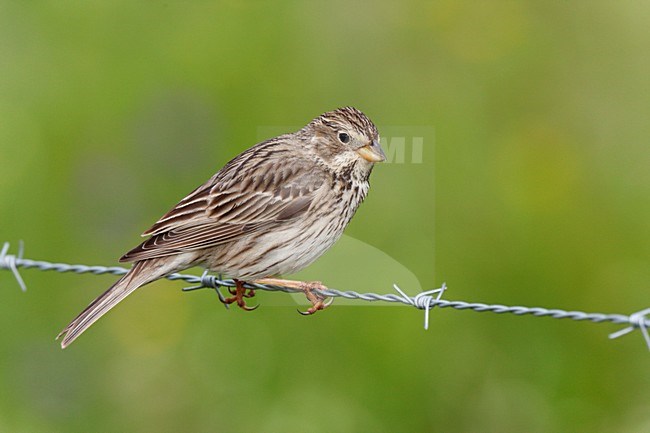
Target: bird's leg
239 295
317 300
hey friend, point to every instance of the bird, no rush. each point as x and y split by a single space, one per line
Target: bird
271 211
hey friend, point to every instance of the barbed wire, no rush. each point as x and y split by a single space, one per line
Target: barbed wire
423 301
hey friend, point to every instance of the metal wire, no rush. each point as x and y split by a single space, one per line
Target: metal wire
423 301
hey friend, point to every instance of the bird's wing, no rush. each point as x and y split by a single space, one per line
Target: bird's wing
248 195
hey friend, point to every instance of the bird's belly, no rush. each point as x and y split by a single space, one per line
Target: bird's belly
281 251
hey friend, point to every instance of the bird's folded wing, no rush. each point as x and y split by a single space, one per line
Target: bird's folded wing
227 208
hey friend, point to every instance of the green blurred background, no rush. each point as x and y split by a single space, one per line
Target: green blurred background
533 190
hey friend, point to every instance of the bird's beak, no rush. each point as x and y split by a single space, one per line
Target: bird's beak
372 152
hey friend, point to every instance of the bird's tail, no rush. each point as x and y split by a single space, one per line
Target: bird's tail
141 273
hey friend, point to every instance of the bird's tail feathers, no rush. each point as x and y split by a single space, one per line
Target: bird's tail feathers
140 274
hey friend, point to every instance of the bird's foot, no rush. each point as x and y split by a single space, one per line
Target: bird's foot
318 301
240 292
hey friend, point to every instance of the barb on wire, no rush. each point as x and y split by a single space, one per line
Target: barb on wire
8 261
209 282
423 301
637 320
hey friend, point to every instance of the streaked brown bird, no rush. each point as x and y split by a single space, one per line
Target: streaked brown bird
270 211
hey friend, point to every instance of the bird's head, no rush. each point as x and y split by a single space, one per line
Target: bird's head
345 137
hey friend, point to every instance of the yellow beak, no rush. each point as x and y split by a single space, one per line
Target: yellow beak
372 152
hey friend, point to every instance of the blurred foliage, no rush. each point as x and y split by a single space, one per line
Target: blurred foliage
533 190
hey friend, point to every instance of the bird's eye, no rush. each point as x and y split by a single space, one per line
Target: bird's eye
343 137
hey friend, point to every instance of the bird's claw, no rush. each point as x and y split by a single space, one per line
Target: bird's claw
319 302
239 295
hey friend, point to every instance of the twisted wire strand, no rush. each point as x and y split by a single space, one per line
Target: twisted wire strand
424 301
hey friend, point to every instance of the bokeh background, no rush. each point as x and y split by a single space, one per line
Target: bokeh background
533 189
